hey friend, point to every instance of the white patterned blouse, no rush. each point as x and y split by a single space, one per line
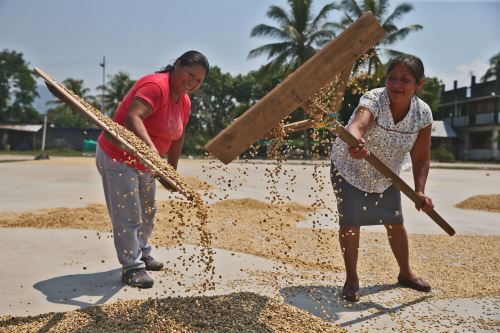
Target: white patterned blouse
388 141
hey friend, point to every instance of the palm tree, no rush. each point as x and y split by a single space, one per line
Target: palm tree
299 32
354 9
116 89
62 115
494 68
75 86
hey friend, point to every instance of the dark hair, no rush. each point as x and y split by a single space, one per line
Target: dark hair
189 58
413 63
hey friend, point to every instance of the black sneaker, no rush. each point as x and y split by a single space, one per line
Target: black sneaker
151 264
137 278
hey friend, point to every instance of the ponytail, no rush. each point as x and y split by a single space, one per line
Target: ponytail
189 58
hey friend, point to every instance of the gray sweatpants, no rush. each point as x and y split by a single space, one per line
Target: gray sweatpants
130 198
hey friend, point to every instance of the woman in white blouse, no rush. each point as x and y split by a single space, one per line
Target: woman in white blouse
390 122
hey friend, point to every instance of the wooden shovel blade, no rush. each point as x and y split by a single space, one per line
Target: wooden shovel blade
296 89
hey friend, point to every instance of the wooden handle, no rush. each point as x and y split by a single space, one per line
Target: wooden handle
400 184
298 126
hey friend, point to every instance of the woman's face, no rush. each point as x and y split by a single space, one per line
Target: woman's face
186 79
401 84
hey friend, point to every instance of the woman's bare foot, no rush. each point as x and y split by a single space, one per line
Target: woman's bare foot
350 291
414 282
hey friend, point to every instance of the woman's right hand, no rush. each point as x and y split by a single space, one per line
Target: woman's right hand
360 151
425 204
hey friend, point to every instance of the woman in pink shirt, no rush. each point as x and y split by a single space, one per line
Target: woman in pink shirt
157 110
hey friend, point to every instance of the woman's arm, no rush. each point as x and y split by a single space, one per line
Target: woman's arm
357 128
175 152
138 111
420 158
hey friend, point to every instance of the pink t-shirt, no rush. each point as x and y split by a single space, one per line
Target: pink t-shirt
165 125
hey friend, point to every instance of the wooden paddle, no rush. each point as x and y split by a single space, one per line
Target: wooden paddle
161 174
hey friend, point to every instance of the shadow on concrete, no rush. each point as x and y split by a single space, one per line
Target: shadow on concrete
14 160
326 302
69 289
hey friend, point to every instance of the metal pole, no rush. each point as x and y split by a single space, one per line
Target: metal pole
103 65
44 132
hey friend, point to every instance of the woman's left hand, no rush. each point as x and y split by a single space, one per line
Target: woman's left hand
426 204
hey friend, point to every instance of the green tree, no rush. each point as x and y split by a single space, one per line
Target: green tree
299 32
494 68
212 107
17 90
221 99
115 90
251 87
213 102
431 94
61 115
354 9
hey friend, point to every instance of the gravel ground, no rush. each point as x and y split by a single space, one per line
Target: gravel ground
457 267
269 231
489 203
240 312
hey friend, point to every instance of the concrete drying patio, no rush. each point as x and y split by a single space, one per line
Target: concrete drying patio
61 270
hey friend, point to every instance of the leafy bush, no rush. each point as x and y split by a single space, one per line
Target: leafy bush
442 154
194 144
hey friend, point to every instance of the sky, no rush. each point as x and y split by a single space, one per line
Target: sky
68 38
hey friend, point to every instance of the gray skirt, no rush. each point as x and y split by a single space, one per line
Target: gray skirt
358 208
